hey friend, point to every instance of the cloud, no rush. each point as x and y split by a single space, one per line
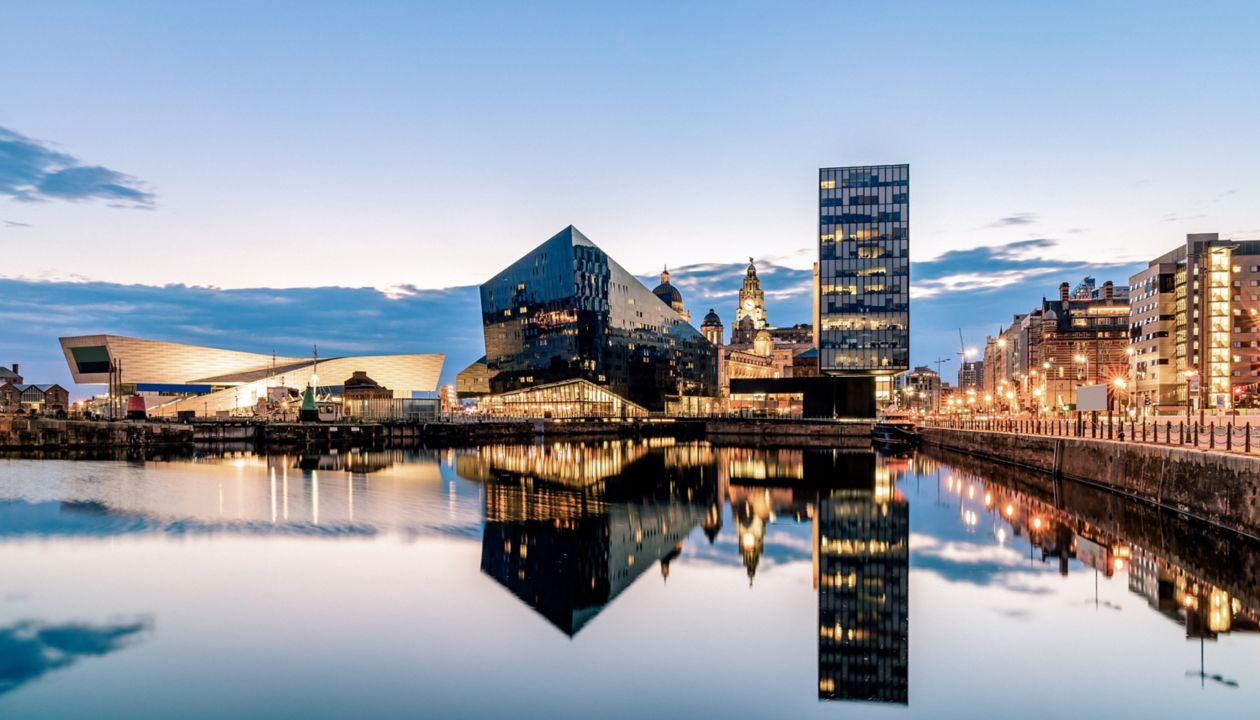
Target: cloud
14 224
30 171
989 268
1023 218
788 290
340 320
30 650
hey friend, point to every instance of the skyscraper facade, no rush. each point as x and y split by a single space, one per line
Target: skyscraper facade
864 273
566 311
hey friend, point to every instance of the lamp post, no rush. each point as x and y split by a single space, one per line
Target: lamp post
1119 384
1130 372
1191 374
1045 381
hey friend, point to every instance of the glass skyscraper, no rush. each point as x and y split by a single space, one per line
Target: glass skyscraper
864 269
566 311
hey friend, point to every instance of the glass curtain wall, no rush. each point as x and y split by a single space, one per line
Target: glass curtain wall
864 273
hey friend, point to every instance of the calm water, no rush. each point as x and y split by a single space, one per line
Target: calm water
608 580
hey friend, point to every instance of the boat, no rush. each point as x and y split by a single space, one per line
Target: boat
895 433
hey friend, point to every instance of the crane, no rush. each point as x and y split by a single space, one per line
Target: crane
936 399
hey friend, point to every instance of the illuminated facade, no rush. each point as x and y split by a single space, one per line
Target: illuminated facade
864 271
566 311
863 558
176 377
565 399
1036 363
758 351
568 549
1193 326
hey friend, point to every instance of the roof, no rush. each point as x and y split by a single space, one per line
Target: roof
711 319
42 388
6 373
668 294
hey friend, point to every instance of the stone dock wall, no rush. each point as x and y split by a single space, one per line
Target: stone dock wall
18 433
45 434
808 433
1216 487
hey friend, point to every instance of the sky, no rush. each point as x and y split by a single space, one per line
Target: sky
312 150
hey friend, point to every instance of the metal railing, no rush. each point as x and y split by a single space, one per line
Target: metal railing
1225 436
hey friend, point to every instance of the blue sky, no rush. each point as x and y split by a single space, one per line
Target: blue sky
408 145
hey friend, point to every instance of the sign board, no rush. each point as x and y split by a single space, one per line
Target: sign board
1091 398
1194 385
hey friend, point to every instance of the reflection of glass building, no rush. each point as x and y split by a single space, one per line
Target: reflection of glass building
566 311
864 273
568 552
863 596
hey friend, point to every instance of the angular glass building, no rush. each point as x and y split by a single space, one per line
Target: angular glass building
864 270
567 311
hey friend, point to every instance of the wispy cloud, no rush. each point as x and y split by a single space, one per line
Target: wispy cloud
1021 218
30 171
717 285
988 268
288 321
14 224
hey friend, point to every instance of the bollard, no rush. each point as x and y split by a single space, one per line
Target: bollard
1229 436
1211 436
1181 432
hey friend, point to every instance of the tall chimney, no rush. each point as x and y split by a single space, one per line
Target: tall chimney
1109 290
1063 292
15 369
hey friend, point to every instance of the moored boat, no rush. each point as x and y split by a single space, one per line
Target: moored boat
895 432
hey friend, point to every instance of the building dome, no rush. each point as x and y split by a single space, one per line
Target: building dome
360 379
711 319
668 294
752 269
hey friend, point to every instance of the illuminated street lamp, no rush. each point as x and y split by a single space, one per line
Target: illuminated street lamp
1191 374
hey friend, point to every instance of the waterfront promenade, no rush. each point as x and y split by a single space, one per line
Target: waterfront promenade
1214 486
1220 434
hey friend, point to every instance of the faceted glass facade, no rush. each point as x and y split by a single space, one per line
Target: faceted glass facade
566 399
864 269
566 311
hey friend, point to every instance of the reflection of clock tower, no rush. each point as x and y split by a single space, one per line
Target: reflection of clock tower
750 316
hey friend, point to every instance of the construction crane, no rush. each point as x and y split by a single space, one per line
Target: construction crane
936 400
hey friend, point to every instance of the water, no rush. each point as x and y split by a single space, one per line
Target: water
622 579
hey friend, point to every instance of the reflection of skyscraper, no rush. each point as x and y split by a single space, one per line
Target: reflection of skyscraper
567 552
863 597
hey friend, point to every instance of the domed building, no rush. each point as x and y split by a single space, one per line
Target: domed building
670 295
712 328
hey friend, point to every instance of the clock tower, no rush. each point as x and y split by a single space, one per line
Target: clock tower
752 305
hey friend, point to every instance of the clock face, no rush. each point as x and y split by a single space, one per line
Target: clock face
748 304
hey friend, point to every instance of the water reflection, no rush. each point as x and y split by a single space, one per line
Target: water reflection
569 528
568 551
29 650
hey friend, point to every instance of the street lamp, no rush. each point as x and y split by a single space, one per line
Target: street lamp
1191 374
